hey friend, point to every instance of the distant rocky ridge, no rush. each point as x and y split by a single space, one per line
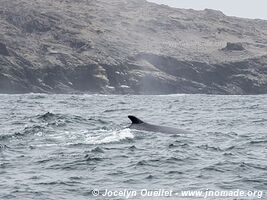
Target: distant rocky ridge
128 47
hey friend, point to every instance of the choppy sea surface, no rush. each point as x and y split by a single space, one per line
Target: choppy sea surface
67 146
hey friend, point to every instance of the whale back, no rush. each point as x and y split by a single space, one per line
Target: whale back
141 125
135 120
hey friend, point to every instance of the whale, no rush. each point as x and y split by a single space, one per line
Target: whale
138 124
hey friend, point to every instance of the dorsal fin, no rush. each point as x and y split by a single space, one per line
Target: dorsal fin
135 120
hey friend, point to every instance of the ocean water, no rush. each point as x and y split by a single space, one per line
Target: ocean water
70 146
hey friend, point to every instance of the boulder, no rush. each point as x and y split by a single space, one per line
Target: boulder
234 46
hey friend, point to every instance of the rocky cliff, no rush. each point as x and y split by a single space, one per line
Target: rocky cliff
128 46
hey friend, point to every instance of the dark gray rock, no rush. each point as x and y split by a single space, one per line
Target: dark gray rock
3 50
128 47
234 47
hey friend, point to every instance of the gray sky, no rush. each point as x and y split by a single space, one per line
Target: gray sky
239 8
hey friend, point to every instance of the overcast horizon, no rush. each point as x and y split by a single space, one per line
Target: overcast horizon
250 9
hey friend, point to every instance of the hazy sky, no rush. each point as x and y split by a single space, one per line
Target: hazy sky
239 8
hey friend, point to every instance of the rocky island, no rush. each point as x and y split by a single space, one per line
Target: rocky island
128 47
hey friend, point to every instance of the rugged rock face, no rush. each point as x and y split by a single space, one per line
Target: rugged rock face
128 46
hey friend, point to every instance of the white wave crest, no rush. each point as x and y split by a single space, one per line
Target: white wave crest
107 136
